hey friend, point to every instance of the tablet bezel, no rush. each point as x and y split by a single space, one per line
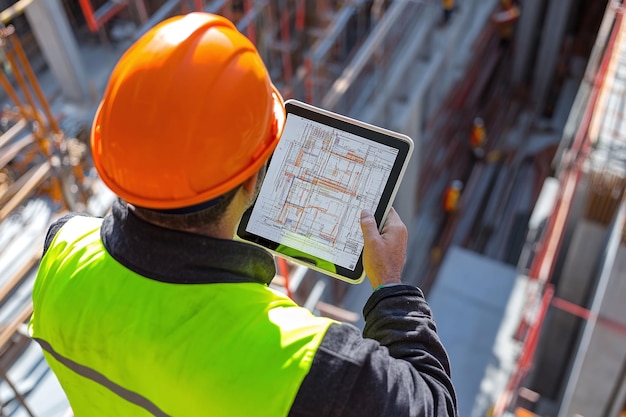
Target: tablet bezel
401 142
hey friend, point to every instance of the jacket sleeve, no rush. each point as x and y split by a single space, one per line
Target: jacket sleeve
399 366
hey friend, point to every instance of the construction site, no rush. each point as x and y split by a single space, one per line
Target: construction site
524 268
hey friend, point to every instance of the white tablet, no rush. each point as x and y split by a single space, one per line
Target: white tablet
325 170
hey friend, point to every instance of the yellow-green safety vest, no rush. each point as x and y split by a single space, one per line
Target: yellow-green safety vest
125 345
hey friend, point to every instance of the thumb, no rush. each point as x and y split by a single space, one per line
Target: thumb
368 225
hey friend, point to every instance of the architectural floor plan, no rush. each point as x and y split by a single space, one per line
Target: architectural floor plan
319 180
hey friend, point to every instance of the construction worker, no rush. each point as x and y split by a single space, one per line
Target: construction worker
155 310
450 205
478 138
505 19
451 196
448 8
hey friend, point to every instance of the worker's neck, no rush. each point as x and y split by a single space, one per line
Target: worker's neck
215 231
224 228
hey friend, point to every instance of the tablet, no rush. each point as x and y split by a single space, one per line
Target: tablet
325 170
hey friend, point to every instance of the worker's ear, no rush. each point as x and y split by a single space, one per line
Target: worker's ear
250 184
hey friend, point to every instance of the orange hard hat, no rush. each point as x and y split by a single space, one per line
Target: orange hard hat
189 113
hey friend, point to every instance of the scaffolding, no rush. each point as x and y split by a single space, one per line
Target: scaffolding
576 159
35 157
33 147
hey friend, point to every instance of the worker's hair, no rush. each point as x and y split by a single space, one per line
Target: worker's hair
205 217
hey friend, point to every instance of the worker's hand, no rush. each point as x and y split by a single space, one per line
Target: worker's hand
384 253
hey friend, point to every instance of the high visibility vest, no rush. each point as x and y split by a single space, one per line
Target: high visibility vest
477 138
125 345
448 4
451 199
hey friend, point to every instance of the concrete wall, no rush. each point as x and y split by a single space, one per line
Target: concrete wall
561 329
597 385
471 301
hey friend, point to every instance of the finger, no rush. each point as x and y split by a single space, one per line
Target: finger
393 224
392 220
368 225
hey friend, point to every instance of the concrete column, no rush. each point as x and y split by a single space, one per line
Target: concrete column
59 47
527 27
405 202
550 48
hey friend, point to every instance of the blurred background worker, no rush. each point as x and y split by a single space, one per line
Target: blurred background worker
451 196
505 19
156 310
478 137
448 8
450 205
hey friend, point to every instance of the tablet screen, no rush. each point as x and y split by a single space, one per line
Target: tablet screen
318 182
320 177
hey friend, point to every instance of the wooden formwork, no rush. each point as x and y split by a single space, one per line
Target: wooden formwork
605 193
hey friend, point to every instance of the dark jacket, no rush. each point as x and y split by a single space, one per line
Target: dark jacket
398 367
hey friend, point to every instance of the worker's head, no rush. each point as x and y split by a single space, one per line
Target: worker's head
189 114
478 122
457 185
